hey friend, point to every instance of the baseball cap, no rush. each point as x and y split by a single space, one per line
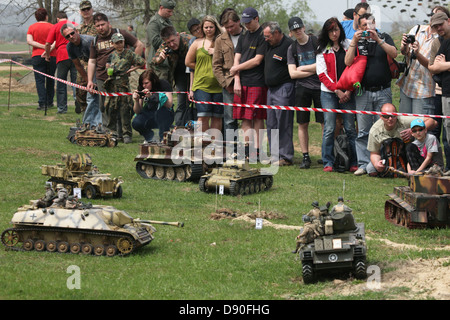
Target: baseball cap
417 123
249 14
85 4
192 22
349 13
116 37
168 4
295 23
438 18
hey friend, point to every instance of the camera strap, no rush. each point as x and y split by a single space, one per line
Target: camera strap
411 56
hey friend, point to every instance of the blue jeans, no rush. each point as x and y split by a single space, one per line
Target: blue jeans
63 68
147 120
208 110
45 86
416 106
92 114
331 101
368 101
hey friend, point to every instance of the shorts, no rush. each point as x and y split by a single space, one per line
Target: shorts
208 110
304 97
250 95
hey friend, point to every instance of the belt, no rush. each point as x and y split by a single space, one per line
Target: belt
375 89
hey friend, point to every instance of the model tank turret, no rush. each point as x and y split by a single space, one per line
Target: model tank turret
180 156
98 230
237 178
425 202
77 171
86 135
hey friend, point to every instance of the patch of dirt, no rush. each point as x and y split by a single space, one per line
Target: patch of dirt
401 280
16 86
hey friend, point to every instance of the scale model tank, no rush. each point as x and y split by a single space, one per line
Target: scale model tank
340 247
237 177
97 230
425 202
180 156
78 172
85 135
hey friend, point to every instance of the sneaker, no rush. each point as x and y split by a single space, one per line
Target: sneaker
360 172
283 162
328 169
127 139
306 163
353 169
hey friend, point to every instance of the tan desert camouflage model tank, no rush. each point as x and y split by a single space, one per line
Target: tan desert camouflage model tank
180 157
78 172
237 177
97 230
85 135
425 202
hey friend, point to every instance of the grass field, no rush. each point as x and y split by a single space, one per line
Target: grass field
207 259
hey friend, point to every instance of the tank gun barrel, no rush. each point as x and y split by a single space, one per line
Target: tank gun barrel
175 224
405 174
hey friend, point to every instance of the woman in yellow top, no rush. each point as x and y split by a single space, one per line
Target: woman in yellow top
205 86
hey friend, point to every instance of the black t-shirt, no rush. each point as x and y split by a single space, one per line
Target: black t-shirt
249 45
340 62
276 70
377 71
445 50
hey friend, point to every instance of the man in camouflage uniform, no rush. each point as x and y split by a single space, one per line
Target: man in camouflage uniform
87 27
61 197
120 63
311 230
173 51
46 201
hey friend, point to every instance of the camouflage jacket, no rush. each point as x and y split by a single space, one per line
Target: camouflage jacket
175 58
122 62
88 29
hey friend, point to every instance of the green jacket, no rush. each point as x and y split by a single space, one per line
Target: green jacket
154 41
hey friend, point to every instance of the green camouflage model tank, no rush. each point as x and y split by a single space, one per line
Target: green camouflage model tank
337 243
78 172
237 178
180 156
85 135
90 230
425 202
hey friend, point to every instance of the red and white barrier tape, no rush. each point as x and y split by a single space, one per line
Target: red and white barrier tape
272 107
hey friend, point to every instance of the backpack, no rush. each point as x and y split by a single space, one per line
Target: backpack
342 153
393 151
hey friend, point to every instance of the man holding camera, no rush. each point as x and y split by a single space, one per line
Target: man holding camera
376 83
173 51
416 83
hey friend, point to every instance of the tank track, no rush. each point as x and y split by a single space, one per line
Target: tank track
161 171
399 216
124 245
244 186
96 142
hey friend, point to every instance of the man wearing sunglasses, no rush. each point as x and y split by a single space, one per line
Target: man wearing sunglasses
389 126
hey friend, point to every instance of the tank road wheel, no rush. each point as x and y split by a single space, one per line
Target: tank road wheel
125 245
181 174
234 188
51 246
90 192
194 171
10 238
99 250
87 248
269 182
160 172
63 247
28 245
246 188
241 188
39 245
111 250
359 268
92 143
170 173
202 185
251 186
257 186
307 272
149 170
84 143
75 248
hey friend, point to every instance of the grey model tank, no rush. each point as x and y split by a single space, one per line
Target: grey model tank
237 177
91 136
338 245
91 230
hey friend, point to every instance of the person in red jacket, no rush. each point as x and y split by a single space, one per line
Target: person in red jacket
330 65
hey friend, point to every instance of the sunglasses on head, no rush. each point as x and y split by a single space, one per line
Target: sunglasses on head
420 129
69 35
86 9
387 116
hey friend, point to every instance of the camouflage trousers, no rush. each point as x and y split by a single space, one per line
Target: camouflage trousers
119 110
81 94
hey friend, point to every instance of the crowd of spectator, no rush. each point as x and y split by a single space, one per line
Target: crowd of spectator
239 59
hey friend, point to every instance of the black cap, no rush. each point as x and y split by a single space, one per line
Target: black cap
192 22
349 13
295 23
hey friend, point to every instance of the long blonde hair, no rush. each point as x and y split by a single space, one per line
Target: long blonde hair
213 20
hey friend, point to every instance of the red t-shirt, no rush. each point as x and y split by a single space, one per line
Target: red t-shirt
61 42
39 31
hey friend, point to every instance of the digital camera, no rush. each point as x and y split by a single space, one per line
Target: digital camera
410 38
365 34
